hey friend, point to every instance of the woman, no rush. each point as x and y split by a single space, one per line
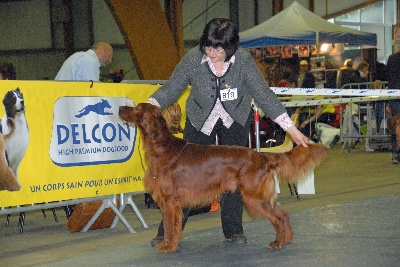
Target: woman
360 75
223 80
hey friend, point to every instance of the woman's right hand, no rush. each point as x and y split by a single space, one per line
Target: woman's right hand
297 136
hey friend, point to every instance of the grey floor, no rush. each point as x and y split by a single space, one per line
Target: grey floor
352 220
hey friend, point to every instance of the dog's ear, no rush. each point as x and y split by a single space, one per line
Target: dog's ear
8 102
150 127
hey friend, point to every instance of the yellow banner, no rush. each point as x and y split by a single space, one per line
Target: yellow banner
66 141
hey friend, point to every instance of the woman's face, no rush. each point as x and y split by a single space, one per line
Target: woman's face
365 70
215 54
303 68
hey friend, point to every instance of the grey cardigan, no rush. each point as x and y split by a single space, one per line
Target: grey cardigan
243 75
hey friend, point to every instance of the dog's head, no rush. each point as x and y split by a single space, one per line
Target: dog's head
14 103
145 116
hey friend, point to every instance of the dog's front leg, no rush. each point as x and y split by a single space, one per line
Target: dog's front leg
172 213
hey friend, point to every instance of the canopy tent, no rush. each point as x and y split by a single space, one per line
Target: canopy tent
296 25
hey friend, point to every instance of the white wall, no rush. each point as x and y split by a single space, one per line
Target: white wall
24 25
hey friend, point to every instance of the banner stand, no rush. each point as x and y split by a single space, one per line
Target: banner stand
127 199
108 202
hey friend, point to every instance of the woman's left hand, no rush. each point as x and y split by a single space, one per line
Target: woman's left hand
297 136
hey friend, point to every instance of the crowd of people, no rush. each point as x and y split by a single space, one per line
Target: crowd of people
351 75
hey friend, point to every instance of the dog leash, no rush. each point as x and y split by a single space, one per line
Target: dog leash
154 176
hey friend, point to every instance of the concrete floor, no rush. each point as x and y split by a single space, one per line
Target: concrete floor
352 220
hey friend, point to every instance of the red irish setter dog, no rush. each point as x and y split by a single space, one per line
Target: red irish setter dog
182 174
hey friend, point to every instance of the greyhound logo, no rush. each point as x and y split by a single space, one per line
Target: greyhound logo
99 108
92 136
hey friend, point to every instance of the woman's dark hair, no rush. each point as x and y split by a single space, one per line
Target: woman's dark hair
220 32
7 71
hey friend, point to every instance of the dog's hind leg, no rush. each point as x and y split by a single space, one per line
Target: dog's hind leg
284 220
278 217
172 220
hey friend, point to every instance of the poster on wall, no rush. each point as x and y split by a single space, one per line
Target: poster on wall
314 50
272 51
287 51
303 51
258 52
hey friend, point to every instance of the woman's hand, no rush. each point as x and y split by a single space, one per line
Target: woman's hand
297 136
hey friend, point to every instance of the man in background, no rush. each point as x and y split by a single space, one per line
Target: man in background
85 66
344 73
305 79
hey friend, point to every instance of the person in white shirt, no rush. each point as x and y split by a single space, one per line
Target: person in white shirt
85 66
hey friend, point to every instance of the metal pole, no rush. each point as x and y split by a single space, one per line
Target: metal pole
257 126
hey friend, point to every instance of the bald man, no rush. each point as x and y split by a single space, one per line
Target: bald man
85 66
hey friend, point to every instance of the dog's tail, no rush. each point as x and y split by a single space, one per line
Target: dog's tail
292 166
11 123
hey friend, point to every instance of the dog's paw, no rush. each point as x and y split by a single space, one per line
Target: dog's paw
275 244
166 247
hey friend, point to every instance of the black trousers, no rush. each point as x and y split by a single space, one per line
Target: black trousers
231 203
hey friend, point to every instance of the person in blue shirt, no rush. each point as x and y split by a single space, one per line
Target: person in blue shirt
85 66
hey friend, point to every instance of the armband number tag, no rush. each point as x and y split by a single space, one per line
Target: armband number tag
229 94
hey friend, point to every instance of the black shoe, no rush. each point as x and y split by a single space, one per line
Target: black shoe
156 240
238 239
